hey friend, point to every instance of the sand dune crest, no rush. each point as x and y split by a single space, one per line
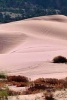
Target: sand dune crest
58 18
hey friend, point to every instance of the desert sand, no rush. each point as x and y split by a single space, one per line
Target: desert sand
27 47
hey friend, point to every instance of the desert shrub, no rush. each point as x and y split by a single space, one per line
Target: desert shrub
65 82
17 78
4 93
40 81
59 59
3 75
38 86
48 95
51 81
20 84
19 81
13 93
35 88
47 81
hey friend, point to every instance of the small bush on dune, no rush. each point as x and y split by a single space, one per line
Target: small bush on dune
52 81
19 81
40 80
3 93
13 93
48 95
20 84
47 81
60 59
3 75
65 82
18 78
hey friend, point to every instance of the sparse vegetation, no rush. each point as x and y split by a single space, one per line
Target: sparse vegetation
59 59
39 85
3 93
19 81
17 78
48 95
3 75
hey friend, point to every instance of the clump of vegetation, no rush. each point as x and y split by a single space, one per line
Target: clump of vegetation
14 93
48 95
42 84
36 86
4 94
60 59
47 81
19 81
17 78
65 82
3 75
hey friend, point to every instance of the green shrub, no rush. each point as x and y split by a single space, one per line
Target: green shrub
3 75
3 93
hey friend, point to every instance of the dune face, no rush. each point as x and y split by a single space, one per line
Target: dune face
7 41
28 46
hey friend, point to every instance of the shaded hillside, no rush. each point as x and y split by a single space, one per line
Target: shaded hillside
11 10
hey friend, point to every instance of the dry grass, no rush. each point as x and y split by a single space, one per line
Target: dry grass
19 81
36 86
48 95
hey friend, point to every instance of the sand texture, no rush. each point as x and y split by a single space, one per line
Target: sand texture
27 47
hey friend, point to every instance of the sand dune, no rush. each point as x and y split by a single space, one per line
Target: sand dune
28 46
58 18
7 41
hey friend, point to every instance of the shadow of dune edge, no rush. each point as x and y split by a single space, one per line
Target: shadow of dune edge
8 41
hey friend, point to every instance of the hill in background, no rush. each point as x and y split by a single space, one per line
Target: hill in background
13 10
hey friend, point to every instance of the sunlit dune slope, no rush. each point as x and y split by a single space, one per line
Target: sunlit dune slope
12 34
28 43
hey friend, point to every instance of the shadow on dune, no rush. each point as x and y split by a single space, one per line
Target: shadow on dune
8 42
